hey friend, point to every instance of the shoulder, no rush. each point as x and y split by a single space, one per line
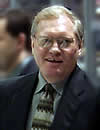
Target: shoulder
80 78
18 82
81 86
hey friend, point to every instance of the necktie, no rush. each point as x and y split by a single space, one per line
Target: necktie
44 113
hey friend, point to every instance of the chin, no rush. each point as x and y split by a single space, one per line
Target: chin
54 80
53 73
54 77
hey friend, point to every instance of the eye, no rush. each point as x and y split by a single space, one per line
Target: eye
44 42
65 42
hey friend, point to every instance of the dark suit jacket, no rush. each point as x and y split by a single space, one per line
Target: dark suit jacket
75 110
97 117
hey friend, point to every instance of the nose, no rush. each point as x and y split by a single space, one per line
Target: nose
55 48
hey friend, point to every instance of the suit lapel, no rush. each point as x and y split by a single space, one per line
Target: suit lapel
24 85
69 102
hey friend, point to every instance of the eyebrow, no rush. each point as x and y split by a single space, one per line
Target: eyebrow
71 39
66 37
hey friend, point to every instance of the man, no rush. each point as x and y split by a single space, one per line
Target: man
15 45
57 40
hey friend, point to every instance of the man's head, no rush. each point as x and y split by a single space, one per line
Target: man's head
57 38
15 28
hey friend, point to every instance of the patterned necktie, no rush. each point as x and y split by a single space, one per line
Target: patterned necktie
44 113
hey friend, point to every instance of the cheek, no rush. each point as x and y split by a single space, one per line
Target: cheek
39 54
74 52
71 52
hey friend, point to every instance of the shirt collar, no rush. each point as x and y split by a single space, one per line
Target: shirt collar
40 84
57 86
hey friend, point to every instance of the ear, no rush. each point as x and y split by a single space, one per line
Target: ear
80 50
32 42
21 41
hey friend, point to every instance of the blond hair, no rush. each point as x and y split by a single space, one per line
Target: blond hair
54 12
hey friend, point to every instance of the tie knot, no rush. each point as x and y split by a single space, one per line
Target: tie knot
49 90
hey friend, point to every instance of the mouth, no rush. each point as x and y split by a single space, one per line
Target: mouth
54 61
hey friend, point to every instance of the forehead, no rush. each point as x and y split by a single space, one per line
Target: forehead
62 25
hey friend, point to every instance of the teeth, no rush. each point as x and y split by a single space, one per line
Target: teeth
53 60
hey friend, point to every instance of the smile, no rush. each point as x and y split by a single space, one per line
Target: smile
54 61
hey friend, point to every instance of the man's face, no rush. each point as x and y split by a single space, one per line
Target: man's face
7 46
55 63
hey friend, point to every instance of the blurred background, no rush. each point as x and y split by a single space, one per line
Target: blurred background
89 13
